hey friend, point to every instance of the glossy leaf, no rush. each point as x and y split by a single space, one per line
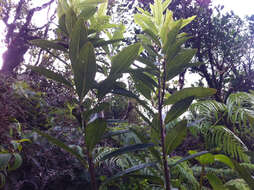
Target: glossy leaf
165 4
85 70
171 36
88 12
153 37
51 75
178 109
197 92
175 136
60 144
215 182
188 21
46 44
145 22
166 26
127 149
157 11
91 2
189 157
172 50
123 60
146 61
101 43
180 62
155 130
224 159
70 20
94 132
78 38
205 159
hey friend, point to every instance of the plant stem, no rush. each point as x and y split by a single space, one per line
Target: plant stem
201 177
91 171
161 93
88 153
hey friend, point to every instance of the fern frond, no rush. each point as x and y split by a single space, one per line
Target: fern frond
225 173
220 136
237 184
211 110
184 173
240 108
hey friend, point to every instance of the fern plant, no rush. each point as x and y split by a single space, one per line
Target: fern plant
222 124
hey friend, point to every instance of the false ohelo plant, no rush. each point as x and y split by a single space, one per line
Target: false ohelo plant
164 58
81 24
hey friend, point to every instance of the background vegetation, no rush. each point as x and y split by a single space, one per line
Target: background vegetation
105 100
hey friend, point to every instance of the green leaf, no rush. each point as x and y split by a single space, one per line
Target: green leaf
115 133
153 37
143 117
62 25
124 59
215 182
175 136
88 12
17 162
143 139
85 70
70 20
237 184
104 87
224 159
143 89
128 171
146 61
106 42
180 62
205 159
178 109
60 144
51 75
150 179
127 149
91 2
4 160
155 130
46 44
157 11
165 4
98 108
189 157
244 173
147 80
171 35
187 21
167 25
145 22
144 83
94 132
172 50
197 92
102 10
78 37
